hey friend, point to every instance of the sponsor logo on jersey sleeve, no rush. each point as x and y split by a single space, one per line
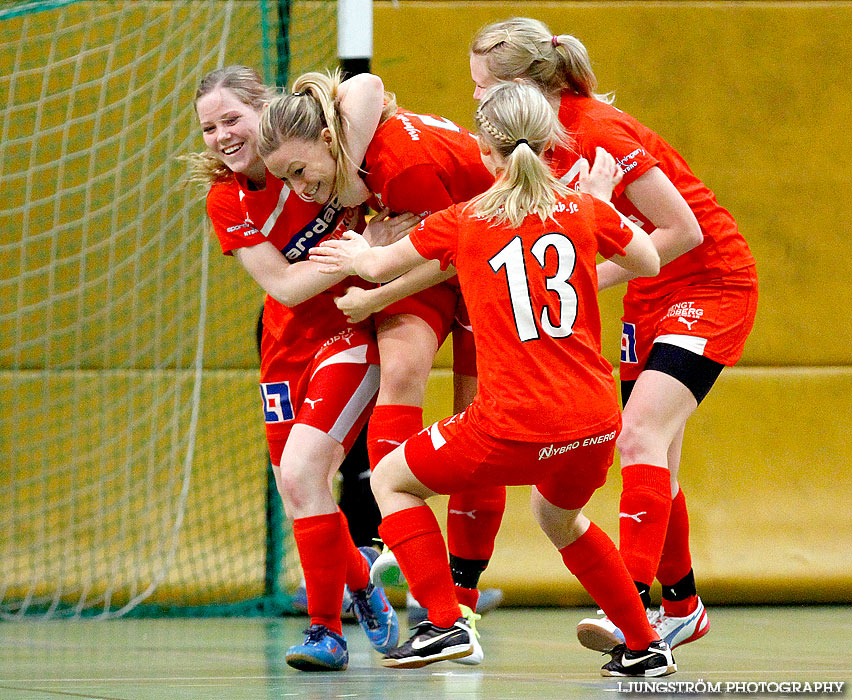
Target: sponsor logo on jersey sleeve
629 161
246 227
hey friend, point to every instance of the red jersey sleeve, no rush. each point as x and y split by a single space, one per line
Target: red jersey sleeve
437 236
419 190
603 125
612 233
229 222
622 142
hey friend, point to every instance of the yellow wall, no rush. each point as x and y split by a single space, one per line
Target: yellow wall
755 97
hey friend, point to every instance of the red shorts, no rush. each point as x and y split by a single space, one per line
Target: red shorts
454 455
435 305
334 391
464 349
712 319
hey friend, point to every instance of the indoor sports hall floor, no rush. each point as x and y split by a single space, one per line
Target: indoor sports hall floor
530 654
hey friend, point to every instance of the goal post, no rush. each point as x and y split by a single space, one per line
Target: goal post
131 440
355 35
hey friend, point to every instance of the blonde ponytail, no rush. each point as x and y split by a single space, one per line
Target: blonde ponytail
525 48
518 123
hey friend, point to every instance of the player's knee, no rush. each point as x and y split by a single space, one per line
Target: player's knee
385 480
380 481
404 376
576 525
296 486
633 441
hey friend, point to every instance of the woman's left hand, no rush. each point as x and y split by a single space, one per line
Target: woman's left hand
385 229
358 304
603 178
338 255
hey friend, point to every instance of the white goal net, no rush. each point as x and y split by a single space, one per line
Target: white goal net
109 288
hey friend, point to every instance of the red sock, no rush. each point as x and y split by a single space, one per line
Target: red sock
680 608
646 500
415 538
676 561
389 427
357 569
473 519
595 561
467 596
322 554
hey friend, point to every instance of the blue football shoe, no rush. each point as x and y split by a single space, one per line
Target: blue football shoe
322 650
374 613
299 602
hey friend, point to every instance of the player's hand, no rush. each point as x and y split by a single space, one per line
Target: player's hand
338 255
357 304
604 176
385 229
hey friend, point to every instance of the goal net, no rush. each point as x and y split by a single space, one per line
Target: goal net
134 463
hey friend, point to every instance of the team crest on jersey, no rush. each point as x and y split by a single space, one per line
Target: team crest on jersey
318 228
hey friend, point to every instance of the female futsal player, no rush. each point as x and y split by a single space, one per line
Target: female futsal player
679 329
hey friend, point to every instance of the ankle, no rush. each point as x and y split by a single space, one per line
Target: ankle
680 608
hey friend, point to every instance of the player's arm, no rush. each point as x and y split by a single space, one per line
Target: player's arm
677 230
361 102
289 283
640 258
352 255
358 303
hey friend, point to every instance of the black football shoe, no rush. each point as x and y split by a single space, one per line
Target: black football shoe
656 660
430 644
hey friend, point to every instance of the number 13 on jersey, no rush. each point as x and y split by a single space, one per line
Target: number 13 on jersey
512 258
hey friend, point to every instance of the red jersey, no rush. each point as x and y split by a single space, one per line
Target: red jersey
421 163
637 149
243 218
531 293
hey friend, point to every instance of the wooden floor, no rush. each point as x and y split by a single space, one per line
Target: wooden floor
529 653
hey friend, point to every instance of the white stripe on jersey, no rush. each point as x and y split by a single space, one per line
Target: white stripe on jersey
687 342
438 440
573 172
355 406
350 356
273 217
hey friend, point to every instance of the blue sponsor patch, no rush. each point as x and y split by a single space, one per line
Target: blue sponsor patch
276 402
628 343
